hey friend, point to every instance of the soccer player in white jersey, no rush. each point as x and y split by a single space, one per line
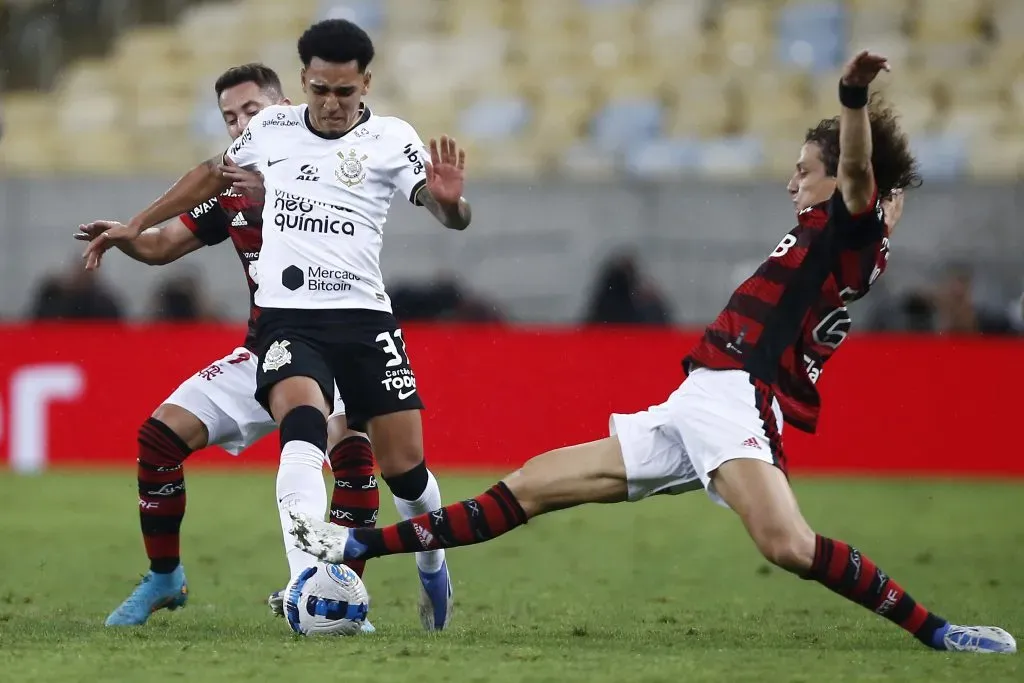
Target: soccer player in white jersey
331 168
215 406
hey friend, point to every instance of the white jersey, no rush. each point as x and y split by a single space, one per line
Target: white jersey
327 201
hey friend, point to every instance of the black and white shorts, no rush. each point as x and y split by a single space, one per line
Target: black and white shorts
361 351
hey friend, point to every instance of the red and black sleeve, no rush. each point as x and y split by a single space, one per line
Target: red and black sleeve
863 246
209 222
860 230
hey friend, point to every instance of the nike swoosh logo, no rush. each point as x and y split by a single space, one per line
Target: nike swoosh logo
271 163
402 395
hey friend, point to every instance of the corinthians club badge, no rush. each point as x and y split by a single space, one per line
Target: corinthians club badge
350 171
277 356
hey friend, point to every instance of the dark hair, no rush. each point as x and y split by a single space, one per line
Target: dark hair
894 166
262 75
336 41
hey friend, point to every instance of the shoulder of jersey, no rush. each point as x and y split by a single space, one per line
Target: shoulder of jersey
816 215
392 126
277 112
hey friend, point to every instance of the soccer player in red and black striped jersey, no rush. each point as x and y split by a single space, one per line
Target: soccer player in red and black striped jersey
216 405
756 366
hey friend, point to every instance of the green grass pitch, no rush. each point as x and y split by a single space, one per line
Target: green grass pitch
664 590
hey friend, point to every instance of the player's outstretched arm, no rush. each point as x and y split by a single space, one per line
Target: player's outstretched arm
155 246
856 177
202 183
442 194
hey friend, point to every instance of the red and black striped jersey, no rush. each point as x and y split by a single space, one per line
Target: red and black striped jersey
784 322
235 217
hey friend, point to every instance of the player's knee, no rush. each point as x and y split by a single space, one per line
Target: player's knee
527 485
186 426
304 423
294 392
411 484
786 546
399 455
337 431
397 442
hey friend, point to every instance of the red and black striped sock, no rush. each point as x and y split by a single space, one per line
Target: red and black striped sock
161 493
356 498
842 569
489 515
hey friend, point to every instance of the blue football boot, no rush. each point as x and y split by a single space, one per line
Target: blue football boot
436 598
154 592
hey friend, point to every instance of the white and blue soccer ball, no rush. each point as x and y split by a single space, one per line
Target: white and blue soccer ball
326 599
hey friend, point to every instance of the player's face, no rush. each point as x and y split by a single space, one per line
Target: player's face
334 93
811 184
240 103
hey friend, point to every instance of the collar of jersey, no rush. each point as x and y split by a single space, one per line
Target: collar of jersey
309 124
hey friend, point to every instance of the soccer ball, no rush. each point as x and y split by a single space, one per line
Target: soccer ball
326 599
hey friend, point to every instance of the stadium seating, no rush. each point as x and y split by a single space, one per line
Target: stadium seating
595 87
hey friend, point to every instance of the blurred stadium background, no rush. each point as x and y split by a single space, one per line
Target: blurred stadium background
627 157
627 165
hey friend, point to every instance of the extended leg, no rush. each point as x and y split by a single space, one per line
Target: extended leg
588 473
762 497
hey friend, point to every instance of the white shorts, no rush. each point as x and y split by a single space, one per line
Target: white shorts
221 396
713 417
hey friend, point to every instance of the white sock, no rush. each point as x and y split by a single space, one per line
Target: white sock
300 487
428 561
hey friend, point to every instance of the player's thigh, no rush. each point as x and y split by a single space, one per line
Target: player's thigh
216 405
292 372
731 428
592 472
722 416
378 385
652 453
397 440
338 427
762 497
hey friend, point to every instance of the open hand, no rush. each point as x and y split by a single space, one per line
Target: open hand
90 231
445 177
863 68
103 235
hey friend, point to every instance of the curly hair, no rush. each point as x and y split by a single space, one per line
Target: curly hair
338 41
893 164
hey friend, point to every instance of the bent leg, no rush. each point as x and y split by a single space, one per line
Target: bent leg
761 496
398 444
